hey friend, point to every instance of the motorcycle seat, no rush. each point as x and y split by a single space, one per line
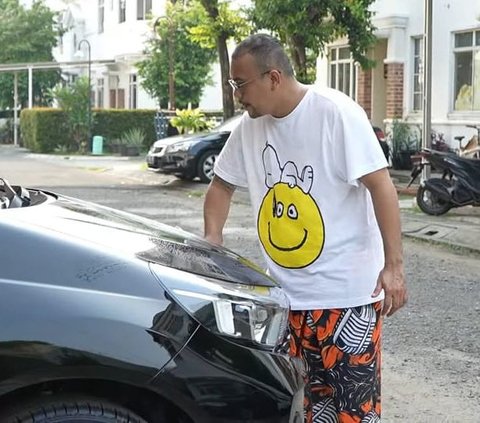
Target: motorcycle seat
469 166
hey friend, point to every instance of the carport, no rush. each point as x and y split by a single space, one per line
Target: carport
15 68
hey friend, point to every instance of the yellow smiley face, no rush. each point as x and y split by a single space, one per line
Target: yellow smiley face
290 226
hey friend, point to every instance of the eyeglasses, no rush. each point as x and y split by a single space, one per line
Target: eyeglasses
237 85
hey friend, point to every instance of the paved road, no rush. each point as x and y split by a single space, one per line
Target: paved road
431 368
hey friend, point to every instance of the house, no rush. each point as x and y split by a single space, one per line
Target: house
393 89
116 31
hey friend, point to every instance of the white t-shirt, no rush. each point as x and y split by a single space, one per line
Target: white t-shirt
314 219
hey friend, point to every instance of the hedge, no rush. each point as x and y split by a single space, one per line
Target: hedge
44 129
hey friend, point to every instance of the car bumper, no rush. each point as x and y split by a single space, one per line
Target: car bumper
178 163
217 381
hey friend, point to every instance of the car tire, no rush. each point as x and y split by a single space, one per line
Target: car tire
205 165
70 409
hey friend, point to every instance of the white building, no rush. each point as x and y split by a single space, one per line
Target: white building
394 88
115 30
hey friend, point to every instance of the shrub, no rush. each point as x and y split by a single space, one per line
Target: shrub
189 120
134 137
44 129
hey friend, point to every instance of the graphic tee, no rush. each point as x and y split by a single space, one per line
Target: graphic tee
314 218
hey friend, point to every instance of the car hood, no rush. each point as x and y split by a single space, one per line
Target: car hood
131 237
180 138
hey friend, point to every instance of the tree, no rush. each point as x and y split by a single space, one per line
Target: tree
26 36
189 61
74 101
222 23
307 26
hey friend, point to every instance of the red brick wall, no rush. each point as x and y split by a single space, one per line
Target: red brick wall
394 74
364 90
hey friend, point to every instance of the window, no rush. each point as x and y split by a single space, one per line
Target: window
417 74
100 92
122 12
132 92
343 72
144 8
467 71
101 15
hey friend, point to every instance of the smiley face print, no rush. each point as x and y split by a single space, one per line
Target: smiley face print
290 224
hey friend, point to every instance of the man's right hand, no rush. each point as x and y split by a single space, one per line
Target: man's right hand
216 208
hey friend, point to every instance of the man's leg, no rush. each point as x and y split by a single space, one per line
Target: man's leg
341 352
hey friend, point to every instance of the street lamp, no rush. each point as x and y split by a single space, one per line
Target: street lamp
89 109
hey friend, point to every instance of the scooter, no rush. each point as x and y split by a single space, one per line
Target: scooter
459 185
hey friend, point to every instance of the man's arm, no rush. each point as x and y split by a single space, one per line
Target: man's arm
216 208
385 203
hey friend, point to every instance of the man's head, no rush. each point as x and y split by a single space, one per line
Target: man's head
260 70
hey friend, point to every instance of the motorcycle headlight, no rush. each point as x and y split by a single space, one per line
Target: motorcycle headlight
255 316
179 146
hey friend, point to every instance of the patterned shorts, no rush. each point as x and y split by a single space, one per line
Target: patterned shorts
341 352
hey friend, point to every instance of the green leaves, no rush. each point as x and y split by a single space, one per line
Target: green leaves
74 101
173 46
188 121
307 26
26 36
227 22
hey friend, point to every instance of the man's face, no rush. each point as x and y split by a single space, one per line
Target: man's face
254 85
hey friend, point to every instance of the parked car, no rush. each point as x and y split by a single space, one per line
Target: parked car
192 155
110 317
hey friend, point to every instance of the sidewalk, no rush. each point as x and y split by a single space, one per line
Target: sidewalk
459 228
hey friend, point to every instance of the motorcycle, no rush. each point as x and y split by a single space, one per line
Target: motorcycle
459 185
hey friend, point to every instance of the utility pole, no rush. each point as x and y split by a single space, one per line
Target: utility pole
89 108
427 81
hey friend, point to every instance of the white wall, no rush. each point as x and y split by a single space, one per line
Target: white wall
449 16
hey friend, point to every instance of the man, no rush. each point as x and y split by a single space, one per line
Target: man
328 221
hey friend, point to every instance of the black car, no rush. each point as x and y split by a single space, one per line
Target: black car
189 156
110 317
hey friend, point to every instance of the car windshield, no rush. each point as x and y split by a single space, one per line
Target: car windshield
229 125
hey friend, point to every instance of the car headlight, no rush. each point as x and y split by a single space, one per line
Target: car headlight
179 146
255 316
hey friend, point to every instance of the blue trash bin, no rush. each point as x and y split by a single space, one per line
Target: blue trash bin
97 144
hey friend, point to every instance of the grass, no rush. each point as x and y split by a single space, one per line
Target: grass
198 194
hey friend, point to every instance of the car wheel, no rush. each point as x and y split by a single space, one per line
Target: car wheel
70 409
205 165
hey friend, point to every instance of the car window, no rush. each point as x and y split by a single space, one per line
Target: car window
229 125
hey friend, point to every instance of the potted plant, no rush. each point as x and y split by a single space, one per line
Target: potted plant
188 121
403 144
132 142
114 145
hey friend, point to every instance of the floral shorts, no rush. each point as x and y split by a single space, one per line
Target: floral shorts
340 349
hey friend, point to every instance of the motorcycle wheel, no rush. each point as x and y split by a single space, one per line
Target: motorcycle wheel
430 203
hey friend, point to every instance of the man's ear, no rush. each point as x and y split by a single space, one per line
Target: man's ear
275 78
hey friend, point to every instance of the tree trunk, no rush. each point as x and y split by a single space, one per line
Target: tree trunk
211 6
227 93
299 56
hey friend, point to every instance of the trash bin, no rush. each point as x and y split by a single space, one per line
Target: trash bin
97 144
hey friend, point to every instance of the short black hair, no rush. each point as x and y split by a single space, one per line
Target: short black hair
267 52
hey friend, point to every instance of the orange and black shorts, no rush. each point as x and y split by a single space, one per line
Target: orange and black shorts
340 349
